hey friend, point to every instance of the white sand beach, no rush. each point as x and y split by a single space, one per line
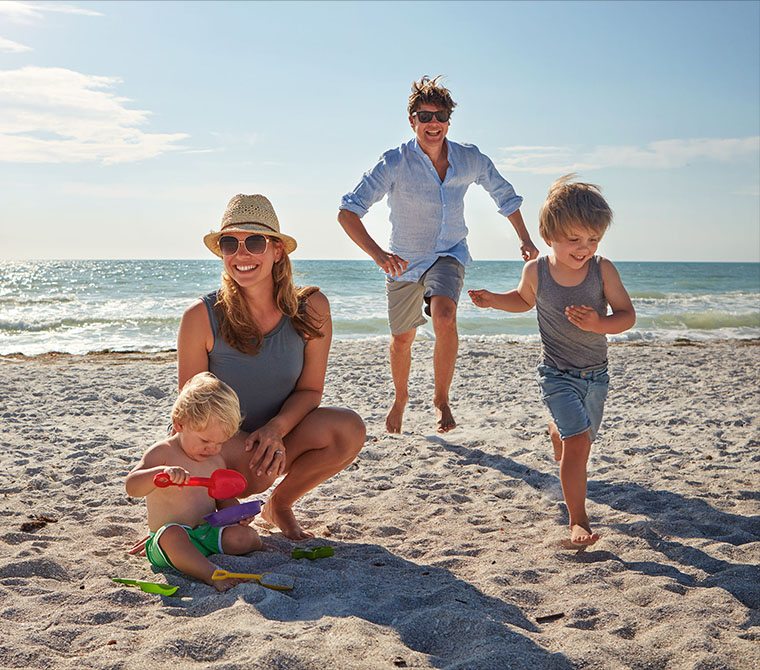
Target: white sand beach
447 550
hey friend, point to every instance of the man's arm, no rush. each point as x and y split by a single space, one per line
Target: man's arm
390 263
527 248
507 201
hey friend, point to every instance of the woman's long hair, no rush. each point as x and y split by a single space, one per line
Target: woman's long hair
237 326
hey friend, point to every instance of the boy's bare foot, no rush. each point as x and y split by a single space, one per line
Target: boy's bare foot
223 585
395 415
580 538
285 520
445 419
556 441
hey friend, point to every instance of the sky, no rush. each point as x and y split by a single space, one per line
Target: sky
126 127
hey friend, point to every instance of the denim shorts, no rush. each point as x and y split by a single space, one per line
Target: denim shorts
575 398
406 298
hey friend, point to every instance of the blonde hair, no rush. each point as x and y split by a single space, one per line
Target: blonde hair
426 91
205 396
237 326
570 205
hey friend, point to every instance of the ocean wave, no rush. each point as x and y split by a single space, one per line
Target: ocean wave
702 320
10 326
10 300
648 295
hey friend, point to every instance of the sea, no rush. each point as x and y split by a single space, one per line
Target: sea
82 306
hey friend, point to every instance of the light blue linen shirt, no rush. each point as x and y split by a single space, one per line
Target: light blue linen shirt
427 215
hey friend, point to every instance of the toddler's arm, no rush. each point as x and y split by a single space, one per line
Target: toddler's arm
623 314
139 481
520 299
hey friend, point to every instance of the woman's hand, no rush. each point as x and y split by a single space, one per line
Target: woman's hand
268 451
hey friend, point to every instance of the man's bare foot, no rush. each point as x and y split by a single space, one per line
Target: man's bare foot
395 416
556 441
580 538
285 520
445 420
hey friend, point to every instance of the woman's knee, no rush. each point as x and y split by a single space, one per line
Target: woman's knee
350 432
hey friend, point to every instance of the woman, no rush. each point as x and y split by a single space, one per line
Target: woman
269 341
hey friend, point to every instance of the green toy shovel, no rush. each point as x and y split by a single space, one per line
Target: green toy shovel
148 587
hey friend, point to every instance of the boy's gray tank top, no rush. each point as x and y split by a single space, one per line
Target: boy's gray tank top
263 382
565 346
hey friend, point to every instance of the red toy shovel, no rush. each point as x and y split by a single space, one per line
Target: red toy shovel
221 484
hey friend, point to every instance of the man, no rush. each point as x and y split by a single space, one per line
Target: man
425 181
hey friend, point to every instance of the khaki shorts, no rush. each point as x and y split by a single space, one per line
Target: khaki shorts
406 298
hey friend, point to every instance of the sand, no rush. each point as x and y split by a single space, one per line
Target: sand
447 549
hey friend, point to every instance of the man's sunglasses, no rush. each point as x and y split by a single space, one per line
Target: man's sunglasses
255 244
426 117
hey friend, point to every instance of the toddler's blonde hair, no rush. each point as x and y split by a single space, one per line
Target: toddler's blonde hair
570 205
205 396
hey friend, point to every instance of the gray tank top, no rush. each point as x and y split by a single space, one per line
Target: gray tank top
565 346
263 382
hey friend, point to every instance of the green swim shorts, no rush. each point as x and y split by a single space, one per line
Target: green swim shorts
205 538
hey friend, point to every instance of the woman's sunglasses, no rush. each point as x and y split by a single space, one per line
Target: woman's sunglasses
426 117
254 244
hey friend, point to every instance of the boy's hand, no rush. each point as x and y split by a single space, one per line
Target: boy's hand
583 316
481 297
177 475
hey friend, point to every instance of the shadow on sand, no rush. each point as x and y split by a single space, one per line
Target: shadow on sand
671 515
431 611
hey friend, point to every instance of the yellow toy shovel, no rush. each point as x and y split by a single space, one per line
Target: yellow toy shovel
268 579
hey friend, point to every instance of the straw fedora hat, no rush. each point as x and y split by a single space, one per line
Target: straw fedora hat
249 214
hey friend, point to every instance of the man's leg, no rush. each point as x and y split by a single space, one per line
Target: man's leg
444 313
401 362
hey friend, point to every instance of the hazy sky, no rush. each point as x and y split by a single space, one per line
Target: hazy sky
125 127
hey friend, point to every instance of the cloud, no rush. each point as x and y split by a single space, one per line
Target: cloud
10 47
25 12
55 115
666 154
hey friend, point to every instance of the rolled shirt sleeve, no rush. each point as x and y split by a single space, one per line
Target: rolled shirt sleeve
373 187
507 201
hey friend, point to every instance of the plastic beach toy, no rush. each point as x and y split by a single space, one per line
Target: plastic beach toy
311 554
230 515
148 587
268 579
221 484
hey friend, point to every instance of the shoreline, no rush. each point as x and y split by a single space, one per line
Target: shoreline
447 547
162 354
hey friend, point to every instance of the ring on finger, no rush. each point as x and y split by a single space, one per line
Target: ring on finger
278 451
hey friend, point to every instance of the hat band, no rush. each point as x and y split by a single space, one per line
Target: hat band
249 223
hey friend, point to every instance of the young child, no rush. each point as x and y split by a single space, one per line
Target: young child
205 414
571 289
